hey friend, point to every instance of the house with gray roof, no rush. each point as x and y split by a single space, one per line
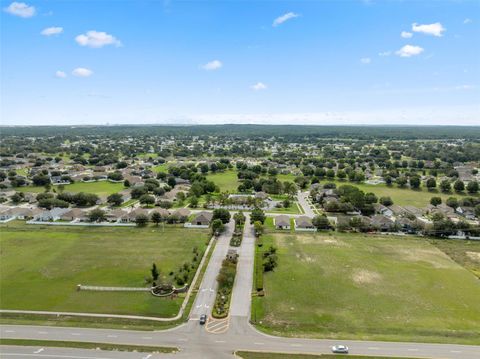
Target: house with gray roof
282 221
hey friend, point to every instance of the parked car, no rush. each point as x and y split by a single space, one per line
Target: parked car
340 349
203 319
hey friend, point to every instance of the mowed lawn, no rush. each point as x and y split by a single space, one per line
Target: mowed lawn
41 266
401 196
101 188
227 181
367 287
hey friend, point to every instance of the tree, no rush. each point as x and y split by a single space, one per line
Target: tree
401 181
321 222
115 199
156 218
435 201
445 186
258 228
222 214
371 198
193 201
17 197
257 215
386 201
141 220
431 183
154 271
452 202
472 187
217 226
414 182
147 199
239 219
96 215
459 186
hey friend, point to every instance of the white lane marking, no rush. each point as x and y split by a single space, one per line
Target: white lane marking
198 306
146 337
9 331
42 333
147 356
52 356
182 340
373 348
455 351
413 350
111 336
75 333
38 351
206 306
219 341
295 345
259 343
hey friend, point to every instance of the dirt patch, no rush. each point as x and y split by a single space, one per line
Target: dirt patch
363 276
433 256
474 256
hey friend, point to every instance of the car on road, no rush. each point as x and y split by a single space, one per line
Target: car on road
343 349
203 319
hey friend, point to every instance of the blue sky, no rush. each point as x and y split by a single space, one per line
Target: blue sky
315 62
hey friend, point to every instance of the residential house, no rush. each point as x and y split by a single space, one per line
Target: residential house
202 219
282 222
381 209
304 223
52 215
381 223
132 215
74 214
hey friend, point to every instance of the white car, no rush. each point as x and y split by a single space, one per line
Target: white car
343 349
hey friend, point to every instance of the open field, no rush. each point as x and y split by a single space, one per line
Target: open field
227 180
101 188
367 287
265 355
401 196
465 253
41 266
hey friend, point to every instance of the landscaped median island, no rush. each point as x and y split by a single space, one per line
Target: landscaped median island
88 345
225 280
368 287
51 261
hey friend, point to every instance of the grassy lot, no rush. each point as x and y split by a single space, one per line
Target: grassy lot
264 355
101 188
465 253
161 168
41 266
227 180
401 196
367 287
88 345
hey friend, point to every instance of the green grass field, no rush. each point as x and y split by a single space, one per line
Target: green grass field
265 355
227 180
365 287
401 196
41 266
101 188
465 253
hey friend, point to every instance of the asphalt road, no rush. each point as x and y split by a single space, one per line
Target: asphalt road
195 342
206 293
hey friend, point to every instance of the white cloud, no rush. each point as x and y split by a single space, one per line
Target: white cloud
97 39
82 72
409 50
406 34
20 9
467 21
385 53
435 29
60 74
259 86
49 31
212 65
365 60
285 17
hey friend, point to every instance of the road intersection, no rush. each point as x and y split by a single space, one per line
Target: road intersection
235 333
